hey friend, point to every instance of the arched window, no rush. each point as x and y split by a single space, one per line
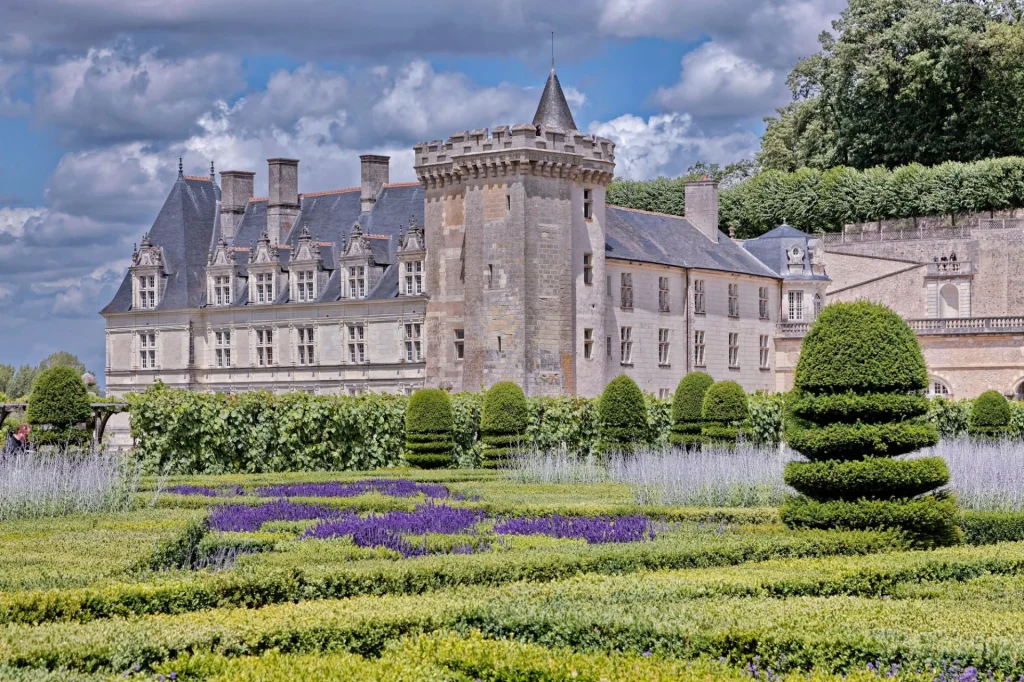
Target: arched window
949 301
817 305
938 388
1018 393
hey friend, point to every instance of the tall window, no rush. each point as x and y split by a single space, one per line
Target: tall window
222 290
608 285
937 388
796 306
413 342
147 350
734 350
460 344
608 347
306 345
588 204
698 349
626 290
588 344
490 275
664 393
663 294
762 303
734 300
817 305
663 346
265 287
763 351
413 277
357 281
699 299
304 285
222 348
588 268
147 291
357 343
264 347
626 345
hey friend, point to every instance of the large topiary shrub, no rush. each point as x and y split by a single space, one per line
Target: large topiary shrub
990 416
858 402
429 429
503 423
59 403
622 416
724 410
687 406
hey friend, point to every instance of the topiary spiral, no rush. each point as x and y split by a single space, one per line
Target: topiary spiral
858 402
725 405
990 416
687 405
429 428
502 423
622 416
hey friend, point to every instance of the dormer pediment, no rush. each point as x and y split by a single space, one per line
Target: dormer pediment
307 250
265 253
358 245
222 255
147 255
412 241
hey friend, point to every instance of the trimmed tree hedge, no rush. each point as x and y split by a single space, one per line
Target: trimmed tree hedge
858 401
990 416
622 416
503 422
60 401
429 429
687 406
725 405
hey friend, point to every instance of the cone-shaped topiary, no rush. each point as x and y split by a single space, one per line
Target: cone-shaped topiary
622 416
724 407
858 402
990 416
687 406
429 429
60 401
502 423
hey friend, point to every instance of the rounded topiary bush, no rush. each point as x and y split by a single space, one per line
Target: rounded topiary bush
724 408
622 416
59 403
858 402
990 416
503 422
429 429
687 405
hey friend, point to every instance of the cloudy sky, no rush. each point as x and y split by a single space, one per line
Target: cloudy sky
99 98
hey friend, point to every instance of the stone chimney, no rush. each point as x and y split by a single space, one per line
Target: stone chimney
374 172
236 188
283 203
702 206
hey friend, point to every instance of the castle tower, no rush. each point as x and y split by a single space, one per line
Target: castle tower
513 218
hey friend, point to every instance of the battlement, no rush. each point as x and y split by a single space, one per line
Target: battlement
520 136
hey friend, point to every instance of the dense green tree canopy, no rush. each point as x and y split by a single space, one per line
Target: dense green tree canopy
903 81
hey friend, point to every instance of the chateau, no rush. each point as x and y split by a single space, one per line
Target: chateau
503 262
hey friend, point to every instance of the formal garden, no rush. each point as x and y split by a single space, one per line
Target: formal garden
852 529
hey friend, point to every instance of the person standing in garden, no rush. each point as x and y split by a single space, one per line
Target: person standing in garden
17 442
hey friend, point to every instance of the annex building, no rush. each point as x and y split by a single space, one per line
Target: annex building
503 262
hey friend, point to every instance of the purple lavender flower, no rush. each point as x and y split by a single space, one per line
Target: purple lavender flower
392 487
594 530
245 518
206 491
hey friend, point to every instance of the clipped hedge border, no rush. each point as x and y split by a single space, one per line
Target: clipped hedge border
875 478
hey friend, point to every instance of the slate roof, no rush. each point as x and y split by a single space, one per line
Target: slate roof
552 110
671 240
770 248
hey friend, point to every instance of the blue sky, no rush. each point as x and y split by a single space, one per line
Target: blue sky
99 98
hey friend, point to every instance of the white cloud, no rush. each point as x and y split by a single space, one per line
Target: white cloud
717 82
666 145
12 220
6 295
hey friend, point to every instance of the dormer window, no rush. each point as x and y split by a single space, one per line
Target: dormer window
305 289
221 290
145 285
357 281
265 287
413 277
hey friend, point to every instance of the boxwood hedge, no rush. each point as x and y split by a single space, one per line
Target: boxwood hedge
429 429
503 422
990 416
60 402
622 416
687 405
724 408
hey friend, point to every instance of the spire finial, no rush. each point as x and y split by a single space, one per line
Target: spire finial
552 50
181 168
213 174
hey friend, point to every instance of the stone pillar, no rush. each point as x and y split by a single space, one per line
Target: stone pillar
374 172
236 190
702 206
283 203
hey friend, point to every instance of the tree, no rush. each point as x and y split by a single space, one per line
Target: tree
724 409
6 374
990 416
59 401
429 429
503 421
903 81
687 406
63 358
21 383
622 416
858 402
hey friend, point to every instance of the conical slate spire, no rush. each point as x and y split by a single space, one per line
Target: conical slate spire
553 111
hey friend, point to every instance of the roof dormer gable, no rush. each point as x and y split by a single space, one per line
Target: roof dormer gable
147 255
265 253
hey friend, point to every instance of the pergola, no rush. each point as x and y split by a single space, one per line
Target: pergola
101 413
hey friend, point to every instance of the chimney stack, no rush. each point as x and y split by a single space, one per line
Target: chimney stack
236 188
283 202
702 206
373 174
